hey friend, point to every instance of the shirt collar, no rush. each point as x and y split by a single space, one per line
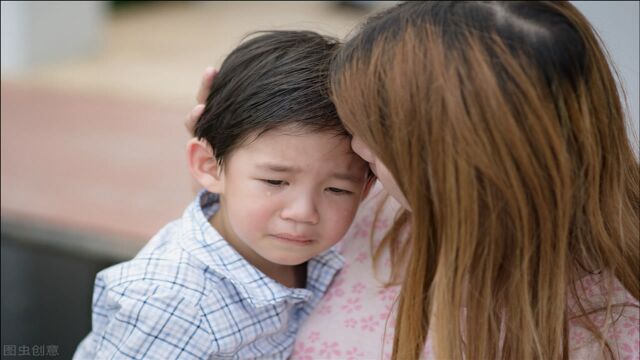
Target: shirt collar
203 241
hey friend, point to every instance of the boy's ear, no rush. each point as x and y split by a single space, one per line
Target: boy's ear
203 166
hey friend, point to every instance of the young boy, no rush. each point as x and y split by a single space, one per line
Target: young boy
253 254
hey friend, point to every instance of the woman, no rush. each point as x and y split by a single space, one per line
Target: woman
499 129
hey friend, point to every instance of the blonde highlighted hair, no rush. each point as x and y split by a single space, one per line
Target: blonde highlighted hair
503 127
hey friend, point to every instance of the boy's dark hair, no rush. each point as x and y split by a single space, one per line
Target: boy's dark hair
275 79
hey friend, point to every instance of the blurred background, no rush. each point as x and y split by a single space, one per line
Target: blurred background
94 95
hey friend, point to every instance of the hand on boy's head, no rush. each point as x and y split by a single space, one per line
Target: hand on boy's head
201 98
205 84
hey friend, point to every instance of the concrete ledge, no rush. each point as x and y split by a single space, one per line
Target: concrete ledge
73 242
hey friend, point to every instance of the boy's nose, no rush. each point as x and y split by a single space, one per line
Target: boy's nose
301 209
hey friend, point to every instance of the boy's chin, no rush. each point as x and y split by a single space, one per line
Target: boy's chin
290 261
292 253
286 257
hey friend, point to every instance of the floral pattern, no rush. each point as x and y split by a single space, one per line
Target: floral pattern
356 318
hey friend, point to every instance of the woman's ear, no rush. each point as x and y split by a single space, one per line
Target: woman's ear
204 167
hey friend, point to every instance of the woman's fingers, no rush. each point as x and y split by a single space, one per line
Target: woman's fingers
201 98
205 85
192 117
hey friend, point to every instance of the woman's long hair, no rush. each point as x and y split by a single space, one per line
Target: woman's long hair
502 124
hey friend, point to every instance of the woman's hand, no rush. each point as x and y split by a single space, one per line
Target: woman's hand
201 98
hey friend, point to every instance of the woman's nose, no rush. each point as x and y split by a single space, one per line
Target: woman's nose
301 208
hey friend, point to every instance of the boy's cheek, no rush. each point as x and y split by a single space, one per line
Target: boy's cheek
342 219
252 216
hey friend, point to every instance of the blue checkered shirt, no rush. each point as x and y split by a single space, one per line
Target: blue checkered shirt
189 295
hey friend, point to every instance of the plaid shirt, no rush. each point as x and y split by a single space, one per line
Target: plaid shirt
189 295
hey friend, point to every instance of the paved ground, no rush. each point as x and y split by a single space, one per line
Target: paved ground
97 144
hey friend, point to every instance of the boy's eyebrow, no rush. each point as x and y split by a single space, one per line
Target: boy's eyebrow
292 169
279 168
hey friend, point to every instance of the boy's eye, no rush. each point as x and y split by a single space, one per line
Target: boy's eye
273 182
339 191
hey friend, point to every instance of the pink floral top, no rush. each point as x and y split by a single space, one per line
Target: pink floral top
355 319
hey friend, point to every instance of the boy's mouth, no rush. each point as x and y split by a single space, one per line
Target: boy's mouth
296 238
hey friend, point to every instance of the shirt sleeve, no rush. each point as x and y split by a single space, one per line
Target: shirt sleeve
146 321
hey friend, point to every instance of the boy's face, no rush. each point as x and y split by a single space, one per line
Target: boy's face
287 196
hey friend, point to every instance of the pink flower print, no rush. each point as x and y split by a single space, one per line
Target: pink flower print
598 319
335 290
368 323
325 309
314 336
587 282
329 349
631 326
358 287
354 353
387 313
345 267
630 299
363 227
381 224
387 262
630 351
389 320
618 288
362 256
388 293
592 292
614 332
303 352
353 304
577 337
574 323
388 338
350 323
